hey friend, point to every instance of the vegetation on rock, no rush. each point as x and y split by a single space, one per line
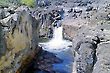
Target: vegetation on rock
30 3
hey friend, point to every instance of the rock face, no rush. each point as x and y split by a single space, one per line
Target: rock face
102 65
21 38
87 15
71 27
48 21
85 61
91 47
2 39
84 45
88 26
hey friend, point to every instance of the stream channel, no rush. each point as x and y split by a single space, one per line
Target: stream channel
62 49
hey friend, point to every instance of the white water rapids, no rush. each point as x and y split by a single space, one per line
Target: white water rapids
57 43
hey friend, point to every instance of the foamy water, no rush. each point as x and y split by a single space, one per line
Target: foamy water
60 47
57 42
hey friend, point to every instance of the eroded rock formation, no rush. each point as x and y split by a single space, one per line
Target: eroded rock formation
20 31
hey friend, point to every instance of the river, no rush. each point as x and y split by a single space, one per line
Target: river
62 49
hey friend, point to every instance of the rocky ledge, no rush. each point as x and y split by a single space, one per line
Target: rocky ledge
87 25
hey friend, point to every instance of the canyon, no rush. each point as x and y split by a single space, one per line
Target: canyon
55 36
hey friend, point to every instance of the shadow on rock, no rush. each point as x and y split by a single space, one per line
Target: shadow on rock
43 63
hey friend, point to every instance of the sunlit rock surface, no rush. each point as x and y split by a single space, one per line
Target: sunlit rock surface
102 65
20 33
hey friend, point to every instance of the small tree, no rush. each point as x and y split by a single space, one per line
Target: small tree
30 3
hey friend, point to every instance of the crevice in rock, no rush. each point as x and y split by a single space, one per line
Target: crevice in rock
95 47
86 61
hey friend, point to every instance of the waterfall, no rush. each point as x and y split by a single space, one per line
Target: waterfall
57 35
61 48
57 43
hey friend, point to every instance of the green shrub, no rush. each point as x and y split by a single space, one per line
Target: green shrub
30 3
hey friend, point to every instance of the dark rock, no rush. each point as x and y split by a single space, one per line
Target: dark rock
50 33
71 10
2 13
83 4
78 10
64 1
56 15
11 11
108 17
77 1
74 15
48 21
89 8
42 3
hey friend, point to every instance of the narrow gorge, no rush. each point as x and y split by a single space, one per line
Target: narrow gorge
54 36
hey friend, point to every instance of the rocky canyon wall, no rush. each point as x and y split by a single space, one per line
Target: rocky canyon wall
19 38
